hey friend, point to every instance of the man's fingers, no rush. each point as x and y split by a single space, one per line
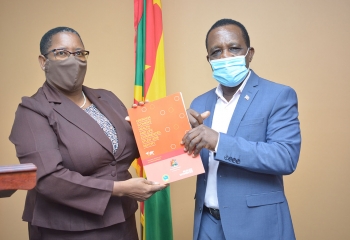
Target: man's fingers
205 114
198 138
198 148
191 140
194 118
127 118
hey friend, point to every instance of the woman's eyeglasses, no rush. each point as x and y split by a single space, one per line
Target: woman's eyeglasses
62 54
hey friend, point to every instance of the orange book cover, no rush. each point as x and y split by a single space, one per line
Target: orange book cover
158 128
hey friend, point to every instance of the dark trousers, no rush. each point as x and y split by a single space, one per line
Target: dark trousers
122 231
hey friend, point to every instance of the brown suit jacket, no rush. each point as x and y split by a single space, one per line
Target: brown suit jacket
75 161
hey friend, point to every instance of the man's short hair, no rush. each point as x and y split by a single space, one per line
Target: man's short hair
45 42
226 21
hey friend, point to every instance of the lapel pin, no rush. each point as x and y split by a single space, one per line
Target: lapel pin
246 97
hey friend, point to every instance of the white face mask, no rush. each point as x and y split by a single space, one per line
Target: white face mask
231 71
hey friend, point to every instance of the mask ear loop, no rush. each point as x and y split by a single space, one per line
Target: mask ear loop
245 56
247 52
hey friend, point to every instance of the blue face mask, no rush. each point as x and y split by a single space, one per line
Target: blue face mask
231 71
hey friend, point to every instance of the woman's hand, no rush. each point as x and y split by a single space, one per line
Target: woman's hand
139 189
127 118
141 103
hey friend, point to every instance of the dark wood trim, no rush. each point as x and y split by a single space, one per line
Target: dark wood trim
14 177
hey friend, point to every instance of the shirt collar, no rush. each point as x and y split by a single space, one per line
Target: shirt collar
220 94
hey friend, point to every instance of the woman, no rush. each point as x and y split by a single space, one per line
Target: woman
82 146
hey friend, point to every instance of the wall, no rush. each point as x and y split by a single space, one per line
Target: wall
302 44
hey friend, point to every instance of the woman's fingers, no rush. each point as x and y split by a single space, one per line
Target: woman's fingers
139 189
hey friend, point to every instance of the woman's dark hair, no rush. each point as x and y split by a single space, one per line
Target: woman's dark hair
45 42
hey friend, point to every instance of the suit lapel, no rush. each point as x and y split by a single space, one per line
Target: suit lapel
209 106
244 101
118 122
76 116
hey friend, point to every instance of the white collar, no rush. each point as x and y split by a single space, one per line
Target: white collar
220 93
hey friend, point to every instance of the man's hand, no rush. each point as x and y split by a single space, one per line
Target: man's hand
139 189
198 138
195 118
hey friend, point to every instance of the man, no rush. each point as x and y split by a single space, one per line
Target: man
248 137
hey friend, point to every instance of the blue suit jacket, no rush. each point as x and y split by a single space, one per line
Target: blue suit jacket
261 145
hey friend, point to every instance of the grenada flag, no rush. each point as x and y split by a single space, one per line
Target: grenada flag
156 222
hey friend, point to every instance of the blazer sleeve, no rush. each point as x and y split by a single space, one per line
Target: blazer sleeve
36 143
278 152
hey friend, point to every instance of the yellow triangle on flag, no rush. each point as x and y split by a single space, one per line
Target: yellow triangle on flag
157 2
147 67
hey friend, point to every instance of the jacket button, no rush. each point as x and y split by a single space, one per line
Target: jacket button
113 163
113 173
225 157
200 209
